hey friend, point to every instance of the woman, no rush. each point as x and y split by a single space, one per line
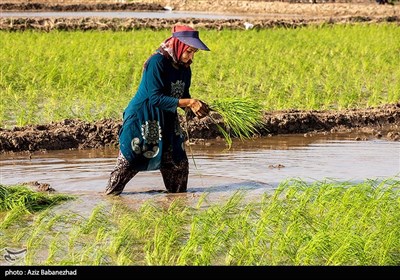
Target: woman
151 137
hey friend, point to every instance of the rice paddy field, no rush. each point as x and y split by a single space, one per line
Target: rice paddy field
92 75
323 224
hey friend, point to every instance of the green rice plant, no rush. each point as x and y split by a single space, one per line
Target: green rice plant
242 117
302 224
18 201
168 234
51 76
129 232
22 196
35 240
210 232
299 223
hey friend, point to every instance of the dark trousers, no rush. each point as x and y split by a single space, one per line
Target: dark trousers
175 176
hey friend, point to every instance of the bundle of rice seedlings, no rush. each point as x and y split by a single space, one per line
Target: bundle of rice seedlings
20 196
241 117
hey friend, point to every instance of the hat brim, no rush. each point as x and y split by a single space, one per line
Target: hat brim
194 43
190 38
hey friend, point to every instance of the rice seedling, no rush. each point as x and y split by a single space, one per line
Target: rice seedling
18 201
91 75
242 117
322 223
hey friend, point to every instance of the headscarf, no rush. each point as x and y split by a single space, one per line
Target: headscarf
173 48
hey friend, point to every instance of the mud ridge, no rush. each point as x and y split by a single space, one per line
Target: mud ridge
117 24
370 123
81 7
260 13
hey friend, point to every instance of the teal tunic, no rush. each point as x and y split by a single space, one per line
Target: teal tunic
150 122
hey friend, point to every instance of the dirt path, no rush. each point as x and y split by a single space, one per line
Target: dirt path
372 123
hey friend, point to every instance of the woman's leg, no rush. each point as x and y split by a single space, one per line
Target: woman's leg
175 176
120 176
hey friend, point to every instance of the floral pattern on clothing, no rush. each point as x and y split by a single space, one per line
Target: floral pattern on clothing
177 89
151 132
135 145
150 153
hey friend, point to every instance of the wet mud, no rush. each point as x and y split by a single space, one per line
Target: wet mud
371 123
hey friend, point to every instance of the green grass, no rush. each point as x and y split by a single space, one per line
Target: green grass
321 223
93 75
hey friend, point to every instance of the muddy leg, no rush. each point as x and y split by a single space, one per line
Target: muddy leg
120 176
175 176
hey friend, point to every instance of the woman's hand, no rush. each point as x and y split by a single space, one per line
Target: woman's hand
198 107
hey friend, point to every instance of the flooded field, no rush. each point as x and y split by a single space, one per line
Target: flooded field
74 157
256 166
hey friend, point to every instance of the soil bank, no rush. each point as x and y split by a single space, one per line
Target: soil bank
371 123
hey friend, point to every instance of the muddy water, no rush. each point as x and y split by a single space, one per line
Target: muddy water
256 166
